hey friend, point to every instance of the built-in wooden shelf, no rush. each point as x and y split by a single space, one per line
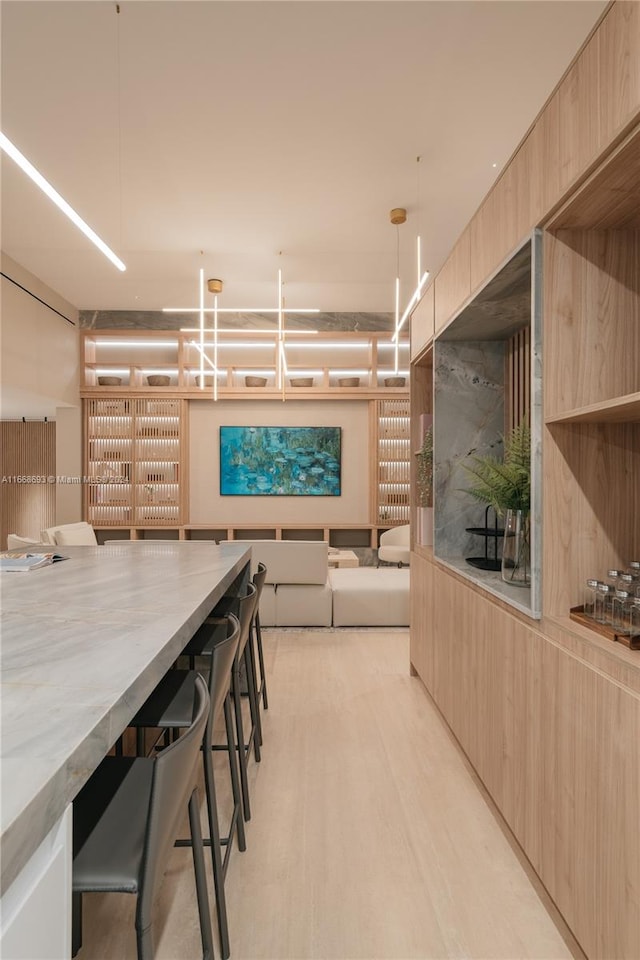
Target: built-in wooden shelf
336 534
132 356
619 410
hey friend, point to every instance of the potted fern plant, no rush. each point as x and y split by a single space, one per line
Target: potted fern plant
424 485
506 486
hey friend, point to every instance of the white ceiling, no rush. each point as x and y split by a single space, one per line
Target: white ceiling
264 134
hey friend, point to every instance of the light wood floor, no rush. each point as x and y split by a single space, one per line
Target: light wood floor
370 837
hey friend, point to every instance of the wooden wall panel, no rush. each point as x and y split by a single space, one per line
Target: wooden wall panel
422 322
619 69
592 317
27 449
517 378
453 284
590 507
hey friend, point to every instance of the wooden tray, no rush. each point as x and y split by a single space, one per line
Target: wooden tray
578 614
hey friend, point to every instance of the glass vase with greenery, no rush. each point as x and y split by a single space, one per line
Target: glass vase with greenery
505 485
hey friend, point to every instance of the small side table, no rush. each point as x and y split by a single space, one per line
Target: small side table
344 558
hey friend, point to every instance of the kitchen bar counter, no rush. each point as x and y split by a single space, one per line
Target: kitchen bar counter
84 642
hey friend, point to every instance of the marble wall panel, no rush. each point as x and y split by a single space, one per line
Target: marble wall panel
156 320
469 420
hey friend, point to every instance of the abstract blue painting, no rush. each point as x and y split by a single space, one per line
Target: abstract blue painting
280 461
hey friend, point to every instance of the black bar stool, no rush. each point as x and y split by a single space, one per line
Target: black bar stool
202 645
259 578
168 708
124 825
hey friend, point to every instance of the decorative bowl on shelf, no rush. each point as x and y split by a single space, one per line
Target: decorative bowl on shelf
158 380
394 381
109 381
301 381
207 380
349 381
255 381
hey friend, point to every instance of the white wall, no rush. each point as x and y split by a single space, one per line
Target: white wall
208 507
40 372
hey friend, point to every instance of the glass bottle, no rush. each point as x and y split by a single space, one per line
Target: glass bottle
589 605
621 611
635 618
612 578
626 582
604 597
634 570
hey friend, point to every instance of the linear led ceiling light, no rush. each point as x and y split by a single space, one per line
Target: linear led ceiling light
12 151
422 277
242 310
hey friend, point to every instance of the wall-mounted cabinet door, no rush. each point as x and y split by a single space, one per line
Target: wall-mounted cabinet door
422 322
453 283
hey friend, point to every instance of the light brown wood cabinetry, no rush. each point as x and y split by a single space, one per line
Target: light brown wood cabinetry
548 712
421 616
555 742
618 70
422 322
453 284
506 216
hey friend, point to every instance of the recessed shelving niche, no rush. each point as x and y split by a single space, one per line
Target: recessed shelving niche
486 373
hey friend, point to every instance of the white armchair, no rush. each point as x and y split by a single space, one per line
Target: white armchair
14 542
394 546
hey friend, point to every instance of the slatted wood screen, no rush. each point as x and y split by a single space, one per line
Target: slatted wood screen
135 457
517 378
27 459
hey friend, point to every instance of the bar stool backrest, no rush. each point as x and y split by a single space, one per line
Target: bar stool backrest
258 579
246 608
174 779
222 659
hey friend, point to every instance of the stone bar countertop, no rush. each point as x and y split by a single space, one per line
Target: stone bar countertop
84 642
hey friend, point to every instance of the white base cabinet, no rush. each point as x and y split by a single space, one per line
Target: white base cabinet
36 908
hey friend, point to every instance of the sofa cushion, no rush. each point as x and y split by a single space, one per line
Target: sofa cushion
370 597
74 534
291 561
303 605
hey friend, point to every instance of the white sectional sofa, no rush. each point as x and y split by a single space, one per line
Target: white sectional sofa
370 596
301 591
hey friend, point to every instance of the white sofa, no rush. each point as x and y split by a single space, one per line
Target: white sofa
297 591
370 596
301 591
